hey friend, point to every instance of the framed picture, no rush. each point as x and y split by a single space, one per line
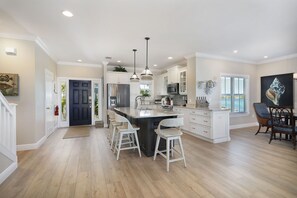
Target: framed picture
277 90
9 84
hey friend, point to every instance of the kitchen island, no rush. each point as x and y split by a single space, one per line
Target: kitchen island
147 120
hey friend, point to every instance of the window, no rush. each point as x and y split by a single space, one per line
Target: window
145 89
234 93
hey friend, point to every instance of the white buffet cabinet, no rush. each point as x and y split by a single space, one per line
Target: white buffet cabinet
208 124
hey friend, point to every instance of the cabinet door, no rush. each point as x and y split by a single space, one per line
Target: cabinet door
183 82
112 77
173 75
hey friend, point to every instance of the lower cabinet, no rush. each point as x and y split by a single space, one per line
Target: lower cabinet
210 125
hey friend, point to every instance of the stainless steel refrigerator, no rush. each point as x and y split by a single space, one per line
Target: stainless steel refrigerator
118 95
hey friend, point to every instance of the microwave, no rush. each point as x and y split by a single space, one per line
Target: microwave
172 89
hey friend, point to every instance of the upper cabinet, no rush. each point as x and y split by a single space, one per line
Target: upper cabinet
173 74
118 77
183 81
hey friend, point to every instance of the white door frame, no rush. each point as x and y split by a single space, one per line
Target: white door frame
66 80
49 105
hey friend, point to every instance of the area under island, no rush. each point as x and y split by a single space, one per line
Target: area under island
148 121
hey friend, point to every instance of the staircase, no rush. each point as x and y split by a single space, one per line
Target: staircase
8 157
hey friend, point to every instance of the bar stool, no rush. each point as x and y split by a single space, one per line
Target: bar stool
126 129
112 126
170 134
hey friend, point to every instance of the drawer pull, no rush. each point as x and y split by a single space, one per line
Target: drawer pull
205 121
205 131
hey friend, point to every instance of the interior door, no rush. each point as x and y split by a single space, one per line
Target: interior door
80 102
49 103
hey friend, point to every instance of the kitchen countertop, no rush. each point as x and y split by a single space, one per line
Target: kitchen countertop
204 108
150 113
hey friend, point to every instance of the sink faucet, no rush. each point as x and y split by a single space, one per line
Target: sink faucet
136 101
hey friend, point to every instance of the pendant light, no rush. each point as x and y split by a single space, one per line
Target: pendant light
146 74
134 77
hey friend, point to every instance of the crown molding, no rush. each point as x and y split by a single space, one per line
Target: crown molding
43 46
217 57
278 59
203 55
61 63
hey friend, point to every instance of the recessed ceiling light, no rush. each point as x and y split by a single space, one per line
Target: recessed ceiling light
67 13
170 58
155 65
118 61
79 60
265 56
235 51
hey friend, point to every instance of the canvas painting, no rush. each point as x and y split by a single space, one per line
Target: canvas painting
9 84
277 90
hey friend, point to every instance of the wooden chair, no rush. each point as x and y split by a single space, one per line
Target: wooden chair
282 122
112 127
126 129
263 116
170 134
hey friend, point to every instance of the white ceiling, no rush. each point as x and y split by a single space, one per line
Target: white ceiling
177 28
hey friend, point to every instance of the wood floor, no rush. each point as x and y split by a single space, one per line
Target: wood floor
85 167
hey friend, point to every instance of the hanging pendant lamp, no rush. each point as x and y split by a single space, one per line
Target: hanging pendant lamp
146 74
134 77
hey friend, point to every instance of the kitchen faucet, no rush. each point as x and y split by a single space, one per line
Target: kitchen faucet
136 99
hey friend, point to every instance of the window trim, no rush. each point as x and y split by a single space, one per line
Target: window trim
247 93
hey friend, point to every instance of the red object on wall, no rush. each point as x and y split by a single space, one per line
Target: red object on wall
56 110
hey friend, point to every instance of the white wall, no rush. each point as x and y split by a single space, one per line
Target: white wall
29 64
211 69
279 67
79 71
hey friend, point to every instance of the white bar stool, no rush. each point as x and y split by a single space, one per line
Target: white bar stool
126 129
170 134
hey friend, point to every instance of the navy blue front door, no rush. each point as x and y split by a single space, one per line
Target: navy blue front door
80 102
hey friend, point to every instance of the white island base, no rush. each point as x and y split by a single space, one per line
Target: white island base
211 125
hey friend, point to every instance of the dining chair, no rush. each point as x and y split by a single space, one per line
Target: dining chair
282 122
263 116
128 130
170 133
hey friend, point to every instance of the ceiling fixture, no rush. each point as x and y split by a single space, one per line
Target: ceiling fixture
265 56
146 74
170 58
118 61
155 65
67 13
79 60
134 77
235 51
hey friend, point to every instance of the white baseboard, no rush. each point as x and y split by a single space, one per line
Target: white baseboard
8 171
239 126
23 147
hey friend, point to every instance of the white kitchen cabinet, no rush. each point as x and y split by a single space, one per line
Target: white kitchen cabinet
118 77
173 74
185 115
209 125
160 84
183 82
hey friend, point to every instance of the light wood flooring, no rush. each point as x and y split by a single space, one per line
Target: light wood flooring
85 167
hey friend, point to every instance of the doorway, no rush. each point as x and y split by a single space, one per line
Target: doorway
80 102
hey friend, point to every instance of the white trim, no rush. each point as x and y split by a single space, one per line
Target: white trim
8 171
24 147
203 55
62 63
43 46
278 59
239 126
